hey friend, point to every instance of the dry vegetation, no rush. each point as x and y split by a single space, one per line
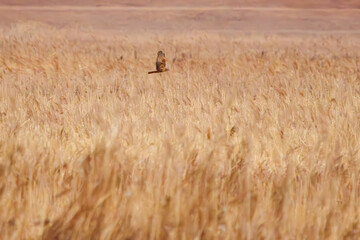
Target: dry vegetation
247 137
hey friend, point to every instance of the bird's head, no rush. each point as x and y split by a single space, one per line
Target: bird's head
160 53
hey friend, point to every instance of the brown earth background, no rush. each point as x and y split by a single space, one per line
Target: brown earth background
262 16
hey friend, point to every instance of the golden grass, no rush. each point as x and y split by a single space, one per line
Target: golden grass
246 137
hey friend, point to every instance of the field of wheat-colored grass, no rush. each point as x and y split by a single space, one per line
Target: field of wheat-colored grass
246 137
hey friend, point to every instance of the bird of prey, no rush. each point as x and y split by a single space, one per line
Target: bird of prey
160 63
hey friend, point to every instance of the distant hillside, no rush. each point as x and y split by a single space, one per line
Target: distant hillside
235 3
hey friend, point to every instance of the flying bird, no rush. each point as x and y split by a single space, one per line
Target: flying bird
160 63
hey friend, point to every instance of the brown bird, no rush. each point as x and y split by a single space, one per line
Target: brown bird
160 63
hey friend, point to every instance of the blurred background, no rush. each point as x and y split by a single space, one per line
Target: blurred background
334 16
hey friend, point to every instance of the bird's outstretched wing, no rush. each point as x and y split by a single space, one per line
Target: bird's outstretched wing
158 71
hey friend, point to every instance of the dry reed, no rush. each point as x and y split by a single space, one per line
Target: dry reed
247 137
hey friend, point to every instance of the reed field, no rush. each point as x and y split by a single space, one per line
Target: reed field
248 136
